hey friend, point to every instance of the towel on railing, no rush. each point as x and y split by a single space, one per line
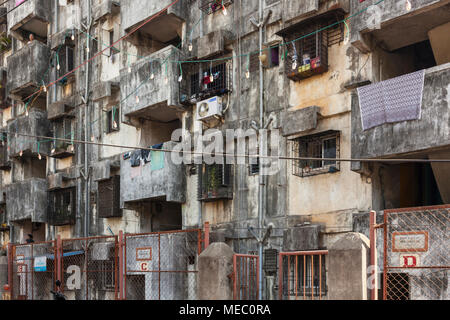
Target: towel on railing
393 100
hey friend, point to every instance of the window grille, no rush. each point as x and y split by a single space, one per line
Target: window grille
215 182
62 129
307 47
112 120
61 208
324 145
66 60
109 198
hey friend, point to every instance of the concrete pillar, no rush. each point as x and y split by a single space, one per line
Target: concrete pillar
214 266
348 260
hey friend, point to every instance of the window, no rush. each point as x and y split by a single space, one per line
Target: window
254 168
65 58
323 145
215 182
107 273
114 50
61 209
109 198
306 275
62 129
112 120
211 6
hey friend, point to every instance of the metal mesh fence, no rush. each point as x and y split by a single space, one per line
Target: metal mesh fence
28 282
162 266
417 253
90 268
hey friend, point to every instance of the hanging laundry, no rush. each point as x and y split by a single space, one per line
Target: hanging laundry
127 155
393 100
157 157
145 155
136 158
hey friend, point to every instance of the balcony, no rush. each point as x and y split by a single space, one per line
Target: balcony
35 124
31 16
394 19
104 8
163 29
152 99
160 178
27 70
27 200
432 130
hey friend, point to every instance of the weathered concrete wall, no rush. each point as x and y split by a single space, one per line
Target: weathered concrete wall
36 123
28 66
32 9
142 183
27 200
136 11
432 130
157 100
214 265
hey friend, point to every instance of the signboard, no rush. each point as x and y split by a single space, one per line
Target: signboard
143 266
40 264
144 254
409 260
20 258
415 241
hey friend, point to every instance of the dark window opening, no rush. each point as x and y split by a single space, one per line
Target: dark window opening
274 57
62 129
109 198
321 146
65 59
215 182
61 209
112 120
114 50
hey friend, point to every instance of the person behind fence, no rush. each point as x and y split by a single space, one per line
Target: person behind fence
58 295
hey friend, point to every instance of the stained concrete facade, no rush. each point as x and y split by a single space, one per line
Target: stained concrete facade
126 106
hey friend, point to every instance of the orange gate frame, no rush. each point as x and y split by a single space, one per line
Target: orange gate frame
303 254
245 267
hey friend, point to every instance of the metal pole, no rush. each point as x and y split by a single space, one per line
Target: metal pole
373 256
261 178
121 289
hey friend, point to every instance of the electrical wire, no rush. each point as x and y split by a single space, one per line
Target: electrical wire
218 154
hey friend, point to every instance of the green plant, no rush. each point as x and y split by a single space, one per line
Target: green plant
5 42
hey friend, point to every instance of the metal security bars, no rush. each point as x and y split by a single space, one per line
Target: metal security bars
416 253
302 275
245 277
211 6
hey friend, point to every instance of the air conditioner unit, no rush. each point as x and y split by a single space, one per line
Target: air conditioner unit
209 109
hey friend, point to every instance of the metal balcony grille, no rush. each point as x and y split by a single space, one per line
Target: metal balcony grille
211 6
215 182
308 54
199 87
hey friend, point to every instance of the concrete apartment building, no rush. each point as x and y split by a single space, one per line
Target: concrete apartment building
286 65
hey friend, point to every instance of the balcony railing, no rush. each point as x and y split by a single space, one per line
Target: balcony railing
197 86
432 130
152 97
27 200
27 70
35 124
142 179
31 16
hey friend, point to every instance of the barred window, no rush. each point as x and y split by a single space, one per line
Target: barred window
323 145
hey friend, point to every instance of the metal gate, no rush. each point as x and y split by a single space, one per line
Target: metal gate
26 282
245 277
416 253
162 265
302 275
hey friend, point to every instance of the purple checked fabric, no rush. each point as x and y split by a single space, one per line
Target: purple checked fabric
393 100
